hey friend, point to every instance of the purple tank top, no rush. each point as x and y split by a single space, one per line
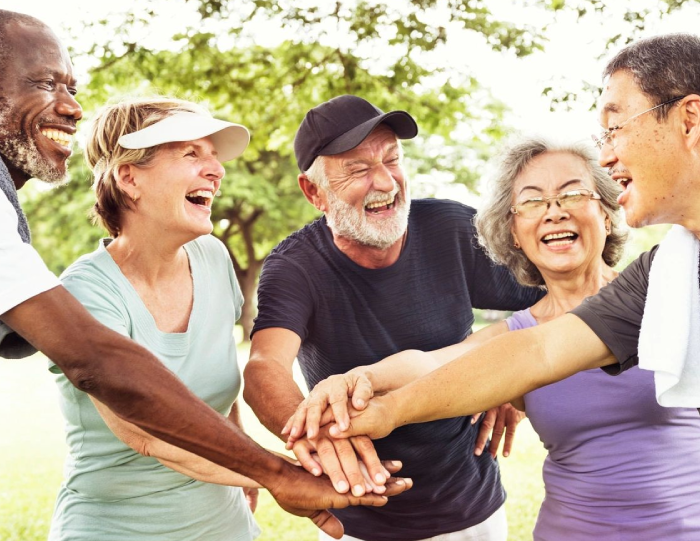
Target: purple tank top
620 467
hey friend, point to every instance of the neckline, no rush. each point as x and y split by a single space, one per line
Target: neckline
143 317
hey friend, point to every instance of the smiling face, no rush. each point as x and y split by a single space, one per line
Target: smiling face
561 241
174 193
367 198
645 156
38 112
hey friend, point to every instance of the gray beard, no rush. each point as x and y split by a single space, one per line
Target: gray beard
345 221
20 152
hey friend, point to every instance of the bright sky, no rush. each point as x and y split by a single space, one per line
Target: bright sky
572 54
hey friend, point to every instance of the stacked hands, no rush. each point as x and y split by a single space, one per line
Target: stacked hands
332 429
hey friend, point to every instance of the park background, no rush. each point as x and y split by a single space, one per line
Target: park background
472 72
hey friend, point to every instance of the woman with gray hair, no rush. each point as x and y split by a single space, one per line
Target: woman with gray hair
619 465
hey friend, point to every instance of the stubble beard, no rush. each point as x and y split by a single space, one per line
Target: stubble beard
19 150
345 221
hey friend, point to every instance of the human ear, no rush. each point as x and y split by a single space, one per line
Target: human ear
312 192
690 118
124 177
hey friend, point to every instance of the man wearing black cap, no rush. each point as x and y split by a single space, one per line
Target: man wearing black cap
366 281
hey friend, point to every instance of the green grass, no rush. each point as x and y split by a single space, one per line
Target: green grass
32 452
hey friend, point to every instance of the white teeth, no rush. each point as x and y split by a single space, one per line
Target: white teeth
61 137
558 235
623 181
201 193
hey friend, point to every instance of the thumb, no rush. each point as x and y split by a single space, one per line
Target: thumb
327 523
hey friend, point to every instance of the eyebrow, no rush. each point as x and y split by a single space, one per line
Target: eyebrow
360 161
560 188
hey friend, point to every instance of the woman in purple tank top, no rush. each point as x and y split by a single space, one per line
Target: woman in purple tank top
610 473
620 467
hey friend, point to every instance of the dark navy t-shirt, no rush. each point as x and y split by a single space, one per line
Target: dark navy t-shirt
348 315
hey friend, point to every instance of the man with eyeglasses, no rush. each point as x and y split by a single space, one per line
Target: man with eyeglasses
651 108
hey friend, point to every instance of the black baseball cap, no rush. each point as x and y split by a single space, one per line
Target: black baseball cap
342 123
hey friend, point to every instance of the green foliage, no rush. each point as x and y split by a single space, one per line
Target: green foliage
378 50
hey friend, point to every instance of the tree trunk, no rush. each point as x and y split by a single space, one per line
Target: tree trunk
248 281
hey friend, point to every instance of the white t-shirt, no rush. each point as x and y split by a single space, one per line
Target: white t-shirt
23 274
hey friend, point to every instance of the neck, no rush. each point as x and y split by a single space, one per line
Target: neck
18 177
369 256
566 291
147 257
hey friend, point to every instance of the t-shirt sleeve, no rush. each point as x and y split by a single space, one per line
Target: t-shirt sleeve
492 286
100 301
615 313
285 298
23 275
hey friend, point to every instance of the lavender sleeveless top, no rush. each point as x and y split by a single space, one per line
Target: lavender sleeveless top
620 467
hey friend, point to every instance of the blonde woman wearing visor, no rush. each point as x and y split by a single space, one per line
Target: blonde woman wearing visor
164 281
619 465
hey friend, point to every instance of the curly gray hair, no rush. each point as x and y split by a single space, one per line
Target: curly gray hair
495 221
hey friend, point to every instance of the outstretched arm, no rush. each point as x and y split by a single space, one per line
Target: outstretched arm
361 383
506 367
273 395
173 457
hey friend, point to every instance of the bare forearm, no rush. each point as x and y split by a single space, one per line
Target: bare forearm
398 370
271 393
134 384
501 370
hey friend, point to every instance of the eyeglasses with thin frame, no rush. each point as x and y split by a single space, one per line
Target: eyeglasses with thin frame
536 207
607 135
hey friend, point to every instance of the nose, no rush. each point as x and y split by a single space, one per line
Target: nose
382 179
68 106
214 171
555 213
607 157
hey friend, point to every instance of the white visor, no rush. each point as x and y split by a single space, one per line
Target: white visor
230 140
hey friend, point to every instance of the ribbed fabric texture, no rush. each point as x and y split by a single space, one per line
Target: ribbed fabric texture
347 315
9 189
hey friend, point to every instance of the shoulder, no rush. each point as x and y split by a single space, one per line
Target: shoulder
442 215
92 277
209 247
446 208
307 239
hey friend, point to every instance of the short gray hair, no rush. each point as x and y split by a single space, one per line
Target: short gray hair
663 67
317 172
495 220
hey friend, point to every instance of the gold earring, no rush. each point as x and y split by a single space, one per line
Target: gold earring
134 198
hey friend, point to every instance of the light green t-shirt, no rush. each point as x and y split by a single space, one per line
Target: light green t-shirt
112 493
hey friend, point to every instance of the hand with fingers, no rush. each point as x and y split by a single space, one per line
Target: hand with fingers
351 464
303 495
497 422
332 394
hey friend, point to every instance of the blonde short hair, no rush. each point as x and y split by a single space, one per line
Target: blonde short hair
104 155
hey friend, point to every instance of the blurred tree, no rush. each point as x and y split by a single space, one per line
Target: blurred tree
264 63
368 48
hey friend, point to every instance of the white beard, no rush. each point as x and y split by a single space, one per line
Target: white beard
345 221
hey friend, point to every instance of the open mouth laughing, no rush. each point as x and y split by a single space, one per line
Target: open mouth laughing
61 137
375 207
200 197
563 238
